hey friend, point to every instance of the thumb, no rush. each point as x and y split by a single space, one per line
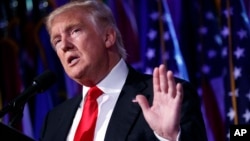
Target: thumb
142 101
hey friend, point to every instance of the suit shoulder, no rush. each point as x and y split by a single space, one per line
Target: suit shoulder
67 104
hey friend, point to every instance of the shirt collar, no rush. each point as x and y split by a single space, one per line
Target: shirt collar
114 81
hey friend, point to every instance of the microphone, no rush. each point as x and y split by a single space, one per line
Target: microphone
39 84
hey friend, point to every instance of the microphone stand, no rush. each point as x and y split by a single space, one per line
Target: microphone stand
40 83
16 108
12 106
18 115
17 105
19 102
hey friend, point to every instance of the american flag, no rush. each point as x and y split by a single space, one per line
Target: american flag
162 45
236 40
222 49
210 67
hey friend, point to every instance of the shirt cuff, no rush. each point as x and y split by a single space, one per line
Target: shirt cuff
163 139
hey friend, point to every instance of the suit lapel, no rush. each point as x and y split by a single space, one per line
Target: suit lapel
66 118
125 112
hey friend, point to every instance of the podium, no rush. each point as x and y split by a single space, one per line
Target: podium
8 133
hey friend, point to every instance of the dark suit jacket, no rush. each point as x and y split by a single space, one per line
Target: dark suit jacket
127 122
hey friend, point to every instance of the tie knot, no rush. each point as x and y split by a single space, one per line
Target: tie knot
94 93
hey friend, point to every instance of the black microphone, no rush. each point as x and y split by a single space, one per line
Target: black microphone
39 84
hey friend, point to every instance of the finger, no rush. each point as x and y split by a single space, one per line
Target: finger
143 103
179 93
171 84
156 83
163 79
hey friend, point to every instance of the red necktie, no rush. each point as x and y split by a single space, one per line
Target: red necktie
86 127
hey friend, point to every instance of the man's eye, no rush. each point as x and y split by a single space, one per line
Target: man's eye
75 31
56 42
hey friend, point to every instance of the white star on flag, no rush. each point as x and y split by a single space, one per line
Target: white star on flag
246 115
231 114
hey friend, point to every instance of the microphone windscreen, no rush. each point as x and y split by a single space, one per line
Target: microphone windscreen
45 80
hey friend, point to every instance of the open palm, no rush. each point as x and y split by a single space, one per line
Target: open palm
164 115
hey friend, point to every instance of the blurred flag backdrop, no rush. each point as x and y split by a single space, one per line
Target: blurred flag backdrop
205 42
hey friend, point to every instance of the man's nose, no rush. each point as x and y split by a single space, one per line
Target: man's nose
66 44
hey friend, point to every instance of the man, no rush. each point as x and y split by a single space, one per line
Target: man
133 106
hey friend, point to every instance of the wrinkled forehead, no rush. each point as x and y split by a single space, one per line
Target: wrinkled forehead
68 15
71 16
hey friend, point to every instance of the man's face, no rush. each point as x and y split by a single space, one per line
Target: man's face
79 46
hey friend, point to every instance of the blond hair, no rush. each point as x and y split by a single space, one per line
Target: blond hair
101 14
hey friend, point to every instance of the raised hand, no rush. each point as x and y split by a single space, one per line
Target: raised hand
164 114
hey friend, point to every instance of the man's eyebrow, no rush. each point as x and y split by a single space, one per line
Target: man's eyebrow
54 37
67 28
71 26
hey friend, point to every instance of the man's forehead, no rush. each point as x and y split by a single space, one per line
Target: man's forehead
68 18
68 14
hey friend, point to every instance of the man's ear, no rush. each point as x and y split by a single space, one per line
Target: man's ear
110 37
